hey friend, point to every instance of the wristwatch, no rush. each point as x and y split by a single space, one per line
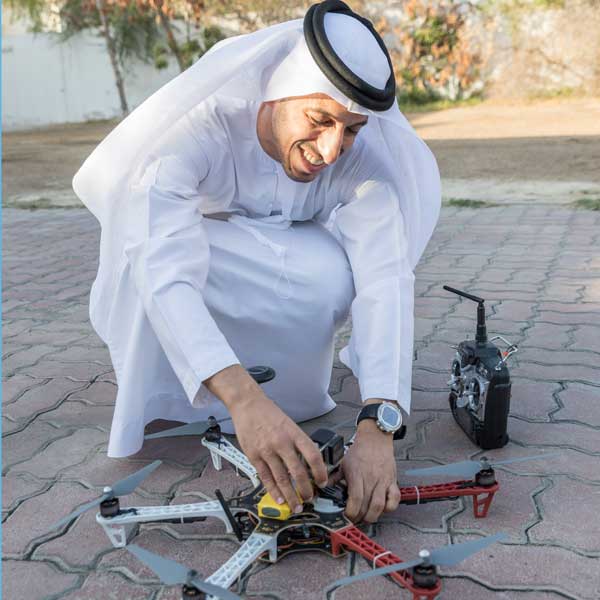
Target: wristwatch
388 417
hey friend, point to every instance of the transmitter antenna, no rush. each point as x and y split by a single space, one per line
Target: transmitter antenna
481 334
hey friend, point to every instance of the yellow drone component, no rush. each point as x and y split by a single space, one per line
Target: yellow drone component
267 507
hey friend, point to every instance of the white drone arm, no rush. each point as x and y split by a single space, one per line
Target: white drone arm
119 527
246 554
229 452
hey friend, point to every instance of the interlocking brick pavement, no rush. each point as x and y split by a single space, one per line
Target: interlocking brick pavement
538 266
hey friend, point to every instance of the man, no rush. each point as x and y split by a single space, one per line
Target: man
294 134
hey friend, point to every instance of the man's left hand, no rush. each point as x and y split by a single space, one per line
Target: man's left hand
369 469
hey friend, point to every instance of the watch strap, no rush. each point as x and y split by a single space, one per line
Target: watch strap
368 412
400 433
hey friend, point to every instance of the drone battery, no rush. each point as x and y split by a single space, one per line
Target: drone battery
275 513
331 445
268 508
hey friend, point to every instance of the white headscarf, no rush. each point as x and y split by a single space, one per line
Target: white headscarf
299 75
266 65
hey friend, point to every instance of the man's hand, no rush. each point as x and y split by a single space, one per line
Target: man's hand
273 443
370 471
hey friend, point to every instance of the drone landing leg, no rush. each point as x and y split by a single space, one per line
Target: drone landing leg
225 449
120 534
216 461
481 504
422 494
120 527
246 554
354 539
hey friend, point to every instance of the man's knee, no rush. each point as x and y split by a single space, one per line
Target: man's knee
329 281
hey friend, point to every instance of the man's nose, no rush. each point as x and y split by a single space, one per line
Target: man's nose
330 144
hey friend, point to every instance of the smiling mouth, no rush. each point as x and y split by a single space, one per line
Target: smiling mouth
312 163
311 157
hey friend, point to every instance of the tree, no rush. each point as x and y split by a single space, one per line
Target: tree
427 45
432 58
254 14
34 10
130 28
126 31
74 16
111 48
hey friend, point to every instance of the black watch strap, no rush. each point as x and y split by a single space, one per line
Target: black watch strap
399 435
368 412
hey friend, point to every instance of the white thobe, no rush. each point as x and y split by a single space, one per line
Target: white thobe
166 335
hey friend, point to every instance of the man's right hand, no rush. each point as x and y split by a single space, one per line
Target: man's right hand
273 443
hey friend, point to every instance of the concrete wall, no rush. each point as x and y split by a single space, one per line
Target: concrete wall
46 82
539 52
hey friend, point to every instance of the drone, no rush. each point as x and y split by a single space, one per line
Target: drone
268 531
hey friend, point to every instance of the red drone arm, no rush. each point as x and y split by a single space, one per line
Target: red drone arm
354 539
482 495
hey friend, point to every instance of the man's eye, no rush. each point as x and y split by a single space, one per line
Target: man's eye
316 122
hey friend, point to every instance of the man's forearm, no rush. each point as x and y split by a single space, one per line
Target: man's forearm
233 386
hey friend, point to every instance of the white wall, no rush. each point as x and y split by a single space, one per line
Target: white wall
46 82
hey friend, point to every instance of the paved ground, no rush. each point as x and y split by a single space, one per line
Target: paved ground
539 267
534 257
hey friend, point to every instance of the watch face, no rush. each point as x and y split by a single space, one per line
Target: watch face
390 417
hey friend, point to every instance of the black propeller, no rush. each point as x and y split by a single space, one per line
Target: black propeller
470 468
171 572
446 556
120 488
195 428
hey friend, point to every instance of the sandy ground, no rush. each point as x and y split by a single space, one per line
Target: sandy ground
511 152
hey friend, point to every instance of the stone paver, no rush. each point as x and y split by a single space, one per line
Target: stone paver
30 579
79 414
41 399
579 401
538 268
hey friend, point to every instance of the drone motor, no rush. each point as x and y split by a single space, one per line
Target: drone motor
110 508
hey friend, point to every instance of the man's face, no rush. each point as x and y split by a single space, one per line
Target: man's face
306 134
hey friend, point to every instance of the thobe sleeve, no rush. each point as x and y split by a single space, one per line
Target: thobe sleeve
168 252
371 229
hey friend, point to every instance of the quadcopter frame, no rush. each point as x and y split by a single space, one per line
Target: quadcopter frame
322 526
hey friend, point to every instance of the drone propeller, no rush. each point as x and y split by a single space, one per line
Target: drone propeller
172 573
469 468
195 428
446 556
120 488
200 427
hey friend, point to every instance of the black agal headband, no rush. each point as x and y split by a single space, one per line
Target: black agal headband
334 68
